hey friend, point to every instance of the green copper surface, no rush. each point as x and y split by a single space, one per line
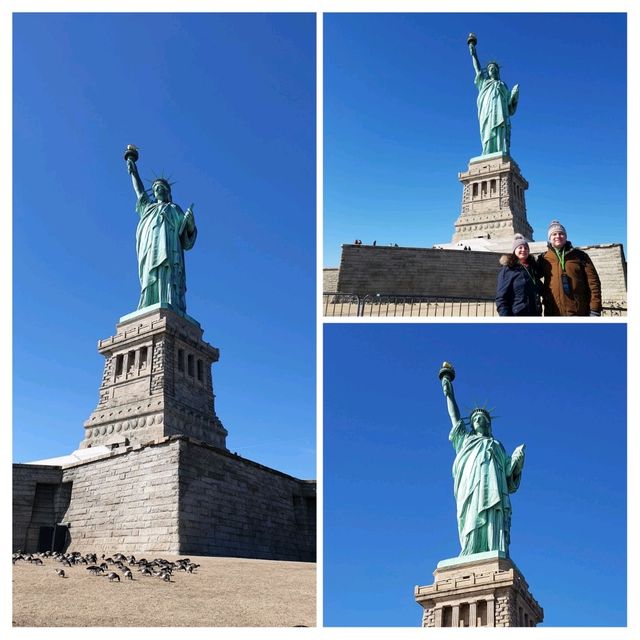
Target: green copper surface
163 234
483 478
496 105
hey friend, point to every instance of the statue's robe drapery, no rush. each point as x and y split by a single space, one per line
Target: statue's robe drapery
162 237
484 476
494 108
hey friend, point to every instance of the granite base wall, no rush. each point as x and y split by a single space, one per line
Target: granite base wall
230 506
126 502
414 271
611 265
26 518
330 279
365 269
176 495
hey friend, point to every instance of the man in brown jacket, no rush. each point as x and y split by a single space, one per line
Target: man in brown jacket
570 282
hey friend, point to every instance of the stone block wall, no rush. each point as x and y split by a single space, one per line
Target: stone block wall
231 506
330 279
413 271
175 495
125 502
505 609
611 265
365 269
515 608
26 519
429 618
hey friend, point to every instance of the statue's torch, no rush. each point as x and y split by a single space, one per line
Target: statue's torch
131 153
447 371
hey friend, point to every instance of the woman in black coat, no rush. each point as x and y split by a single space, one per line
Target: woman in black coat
518 282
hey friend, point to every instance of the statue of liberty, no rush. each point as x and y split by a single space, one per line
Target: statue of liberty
483 477
496 104
164 233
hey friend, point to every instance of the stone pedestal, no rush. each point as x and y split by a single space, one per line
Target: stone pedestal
153 474
493 200
480 590
156 383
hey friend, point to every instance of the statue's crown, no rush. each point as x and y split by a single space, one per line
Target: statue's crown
481 410
163 181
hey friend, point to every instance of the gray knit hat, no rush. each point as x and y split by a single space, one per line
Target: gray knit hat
518 241
553 227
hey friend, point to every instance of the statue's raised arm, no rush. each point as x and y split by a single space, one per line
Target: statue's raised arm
472 41
131 156
447 374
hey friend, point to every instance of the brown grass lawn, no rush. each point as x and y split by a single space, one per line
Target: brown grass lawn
223 592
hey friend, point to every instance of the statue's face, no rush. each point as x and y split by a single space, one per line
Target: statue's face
481 424
161 192
493 71
558 239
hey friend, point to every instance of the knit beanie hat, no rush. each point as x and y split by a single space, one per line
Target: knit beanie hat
518 240
555 226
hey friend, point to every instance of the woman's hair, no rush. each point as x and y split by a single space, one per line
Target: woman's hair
510 260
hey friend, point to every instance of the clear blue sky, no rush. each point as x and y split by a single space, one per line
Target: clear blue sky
400 122
225 105
389 511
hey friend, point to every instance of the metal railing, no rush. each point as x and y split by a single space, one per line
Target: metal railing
614 308
408 306
405 306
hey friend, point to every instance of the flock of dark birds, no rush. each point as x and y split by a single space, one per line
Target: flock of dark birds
106 566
